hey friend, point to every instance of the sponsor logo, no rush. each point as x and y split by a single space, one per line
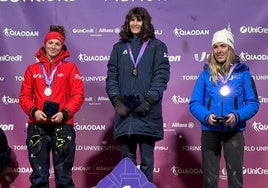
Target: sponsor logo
263 99
174 58
180 171
191 148
8 32
180 100
9 58
179 32
201 57
96 100
7 127
89 127
258 126
93 78
97 148
21 170
256 148
89 58
253 57
253 30
9 100
189 77
95 32
260 77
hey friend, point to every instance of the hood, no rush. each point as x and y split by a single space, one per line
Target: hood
41 55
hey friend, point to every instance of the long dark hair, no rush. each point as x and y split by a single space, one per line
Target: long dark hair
147 30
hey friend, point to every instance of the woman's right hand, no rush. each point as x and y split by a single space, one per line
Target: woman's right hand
40 116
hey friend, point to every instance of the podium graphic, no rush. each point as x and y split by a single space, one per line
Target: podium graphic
125 175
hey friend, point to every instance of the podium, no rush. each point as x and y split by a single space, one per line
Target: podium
125 175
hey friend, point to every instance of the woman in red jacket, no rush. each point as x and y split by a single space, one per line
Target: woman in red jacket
51 93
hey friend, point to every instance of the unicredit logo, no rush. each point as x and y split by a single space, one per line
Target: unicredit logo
250 29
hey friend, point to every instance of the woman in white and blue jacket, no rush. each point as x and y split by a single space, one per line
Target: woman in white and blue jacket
223 99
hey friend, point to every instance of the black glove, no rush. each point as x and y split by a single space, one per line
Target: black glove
145 107
119 106
62 144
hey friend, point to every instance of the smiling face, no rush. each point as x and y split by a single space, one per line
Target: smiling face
220 52
135 25
53 48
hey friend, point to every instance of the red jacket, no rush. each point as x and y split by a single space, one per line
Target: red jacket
67 86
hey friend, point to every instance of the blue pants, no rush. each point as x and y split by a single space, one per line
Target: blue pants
146 146
232 143
40 158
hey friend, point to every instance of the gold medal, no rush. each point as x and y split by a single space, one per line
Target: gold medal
134 72
48 91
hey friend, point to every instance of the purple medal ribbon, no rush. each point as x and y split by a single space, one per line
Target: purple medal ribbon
49 79
135 63
224 80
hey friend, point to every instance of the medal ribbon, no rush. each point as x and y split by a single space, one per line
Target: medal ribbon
221 78
135 63
49 79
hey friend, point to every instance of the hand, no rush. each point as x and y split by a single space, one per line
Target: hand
121 109
231 121
57 118
143 109
40 116
211 119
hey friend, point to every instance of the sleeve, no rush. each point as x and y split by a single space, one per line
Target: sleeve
250 99
197 102
112 83
27 92
77 92
161 73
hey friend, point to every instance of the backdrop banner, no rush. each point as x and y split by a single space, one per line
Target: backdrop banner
92 28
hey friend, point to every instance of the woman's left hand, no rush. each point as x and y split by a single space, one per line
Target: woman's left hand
57 118
231 121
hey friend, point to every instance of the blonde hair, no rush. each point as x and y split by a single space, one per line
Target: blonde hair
216 67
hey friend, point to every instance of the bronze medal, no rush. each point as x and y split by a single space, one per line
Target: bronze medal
134 72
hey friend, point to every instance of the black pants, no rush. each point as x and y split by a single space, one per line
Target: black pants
40 162
146 146
232 143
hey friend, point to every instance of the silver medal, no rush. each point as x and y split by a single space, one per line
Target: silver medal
47 91
225 90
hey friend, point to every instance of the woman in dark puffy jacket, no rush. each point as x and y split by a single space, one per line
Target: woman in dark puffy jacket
138 73
223 99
